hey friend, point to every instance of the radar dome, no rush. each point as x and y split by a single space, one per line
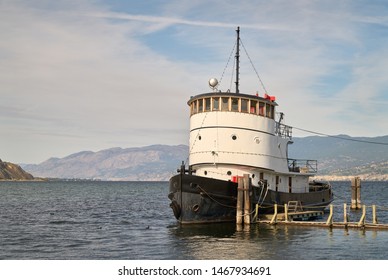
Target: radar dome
213 83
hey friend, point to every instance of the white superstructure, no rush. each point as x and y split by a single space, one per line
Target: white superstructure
232 134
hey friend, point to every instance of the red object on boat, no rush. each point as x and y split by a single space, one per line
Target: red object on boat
235 178
269 97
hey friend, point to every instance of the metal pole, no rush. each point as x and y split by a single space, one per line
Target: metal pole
238 60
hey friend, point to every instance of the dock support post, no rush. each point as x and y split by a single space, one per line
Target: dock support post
275 214
256 216
346 219
329 221
361 223
240 201
374 216
247 199
356 193
285 212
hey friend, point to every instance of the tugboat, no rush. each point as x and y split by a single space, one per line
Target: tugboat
233 134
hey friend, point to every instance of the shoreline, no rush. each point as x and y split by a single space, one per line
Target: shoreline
369 178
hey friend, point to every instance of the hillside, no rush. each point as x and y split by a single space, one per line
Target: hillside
337 159
151 163
10 171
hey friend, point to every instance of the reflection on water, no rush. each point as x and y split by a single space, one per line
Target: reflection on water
227 241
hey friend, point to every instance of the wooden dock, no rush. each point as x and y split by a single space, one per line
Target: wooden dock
303 218
293 213
350 225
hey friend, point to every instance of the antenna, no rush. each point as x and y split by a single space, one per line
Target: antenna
237 59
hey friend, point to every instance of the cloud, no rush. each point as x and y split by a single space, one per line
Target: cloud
102 76
72 75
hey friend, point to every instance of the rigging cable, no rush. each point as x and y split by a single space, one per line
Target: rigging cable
340 137
227 63
253 66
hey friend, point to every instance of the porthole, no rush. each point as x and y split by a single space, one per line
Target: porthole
229 173
253 175
195 207
199 137
234 137
205 172
257 140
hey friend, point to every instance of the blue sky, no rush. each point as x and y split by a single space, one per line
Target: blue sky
90 75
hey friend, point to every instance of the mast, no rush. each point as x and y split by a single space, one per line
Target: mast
237 59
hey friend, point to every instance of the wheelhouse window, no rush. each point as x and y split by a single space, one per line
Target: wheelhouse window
207 104
200 105
261 108
194 107
244 105
216 103
268 110
253 107
225 104
235 104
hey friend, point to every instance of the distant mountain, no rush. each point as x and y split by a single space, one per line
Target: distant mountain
343 155
11 171
337 158
151 163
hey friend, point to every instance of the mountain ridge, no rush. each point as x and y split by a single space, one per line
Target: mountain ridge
338 159
150 163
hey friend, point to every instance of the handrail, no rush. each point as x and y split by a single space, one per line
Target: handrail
302 165
283 130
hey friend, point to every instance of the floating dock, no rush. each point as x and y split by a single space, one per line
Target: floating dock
304 218
293 213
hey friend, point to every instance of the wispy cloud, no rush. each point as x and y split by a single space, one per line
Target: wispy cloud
168 21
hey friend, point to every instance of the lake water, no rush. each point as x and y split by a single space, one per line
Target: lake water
133 220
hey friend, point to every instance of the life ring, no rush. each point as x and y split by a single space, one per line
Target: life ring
176 209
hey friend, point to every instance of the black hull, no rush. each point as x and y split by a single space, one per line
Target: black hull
196 199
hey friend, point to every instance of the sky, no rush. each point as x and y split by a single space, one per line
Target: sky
81 75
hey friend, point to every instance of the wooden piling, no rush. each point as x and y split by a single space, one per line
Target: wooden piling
285 212
275 214
257 212
374 216
356 193
361 223
240 201
247 199
346 219
329 221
